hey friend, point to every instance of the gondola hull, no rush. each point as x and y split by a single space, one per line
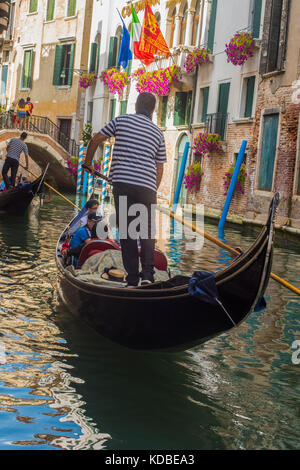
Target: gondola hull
17 201
164 316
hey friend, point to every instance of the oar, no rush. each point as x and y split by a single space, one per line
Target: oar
209 237
54 190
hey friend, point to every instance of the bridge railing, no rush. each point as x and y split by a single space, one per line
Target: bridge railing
42 125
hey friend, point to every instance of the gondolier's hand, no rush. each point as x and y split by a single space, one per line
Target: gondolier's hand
88 168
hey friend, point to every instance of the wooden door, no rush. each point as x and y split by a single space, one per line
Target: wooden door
268 152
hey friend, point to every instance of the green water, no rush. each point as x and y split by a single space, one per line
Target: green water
62 386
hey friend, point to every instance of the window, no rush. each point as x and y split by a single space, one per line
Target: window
183 25
26 80
224 90
93 57
172 30
90 106
204 94
247 97
4 79
256 18
33 6
182 110
123 108
114 48
164 108
71 10
212 25
63 64
98 40
268 151
196 23
112 112
50 10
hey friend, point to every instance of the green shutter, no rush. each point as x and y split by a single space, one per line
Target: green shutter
189 107
164 108
212 25
98 56
268 152
93 56
27 69
71 8
256 18
4 79
112 109
180 108
50 10
123 107
129 67
205 92
112 55
224 90
249 96
33 4
70 72
58 65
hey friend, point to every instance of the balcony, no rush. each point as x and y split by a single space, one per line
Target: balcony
216 123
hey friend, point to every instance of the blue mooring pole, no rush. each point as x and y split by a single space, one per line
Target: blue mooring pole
180 176
234 178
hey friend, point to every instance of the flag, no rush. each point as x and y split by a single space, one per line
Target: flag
152 40
136 30
125 52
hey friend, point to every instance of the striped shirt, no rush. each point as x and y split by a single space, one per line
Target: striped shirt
139 145
15 147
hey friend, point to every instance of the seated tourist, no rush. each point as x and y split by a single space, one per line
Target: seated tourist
91 207
2 186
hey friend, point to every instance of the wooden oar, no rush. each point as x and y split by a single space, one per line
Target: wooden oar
54 190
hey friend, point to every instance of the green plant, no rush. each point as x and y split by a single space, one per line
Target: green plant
240 184
87 134
193 176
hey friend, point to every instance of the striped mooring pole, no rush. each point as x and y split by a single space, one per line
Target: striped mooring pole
105 169
79 168
90 186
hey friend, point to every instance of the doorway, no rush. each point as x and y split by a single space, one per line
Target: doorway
178 160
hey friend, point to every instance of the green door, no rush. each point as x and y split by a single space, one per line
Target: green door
268 152
179 155
224 90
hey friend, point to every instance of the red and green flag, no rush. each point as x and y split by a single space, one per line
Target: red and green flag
151 38
136 29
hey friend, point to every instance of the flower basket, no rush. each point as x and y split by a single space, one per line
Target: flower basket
193 177
157 82
115 80
72 164
198 57
240 48
206 142
240 185
87 79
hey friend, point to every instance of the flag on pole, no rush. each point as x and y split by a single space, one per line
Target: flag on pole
136 30
125 52
152 40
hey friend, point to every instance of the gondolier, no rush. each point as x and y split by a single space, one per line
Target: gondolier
136 172
14 149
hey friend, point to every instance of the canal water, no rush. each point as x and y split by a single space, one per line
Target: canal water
62 386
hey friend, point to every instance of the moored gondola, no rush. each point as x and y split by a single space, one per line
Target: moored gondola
178 313
17 200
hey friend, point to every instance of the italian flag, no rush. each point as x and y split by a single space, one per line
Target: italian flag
136 29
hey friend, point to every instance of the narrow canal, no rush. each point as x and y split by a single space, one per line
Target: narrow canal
62 386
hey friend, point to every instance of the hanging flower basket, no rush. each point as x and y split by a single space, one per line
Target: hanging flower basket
193 177
157 82
72 164
240 184
115 80
240 48
206 142
87 79
197 57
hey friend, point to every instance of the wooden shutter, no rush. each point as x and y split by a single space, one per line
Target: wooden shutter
256 18
71 8
112 109
33 6
123 107
129 67
27 69
212 25
205 92
93 56
268 152
189 107
163 119
98 55
223 97
112 54
4 79
274 35
70 72
180 108
249 96
57 64
50 10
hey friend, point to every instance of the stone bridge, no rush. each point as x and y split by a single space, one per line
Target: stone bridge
45 145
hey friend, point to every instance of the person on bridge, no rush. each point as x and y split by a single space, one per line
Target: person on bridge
21 113
14 149
29 107
136 173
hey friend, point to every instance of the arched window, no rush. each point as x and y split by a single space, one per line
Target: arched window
158 18
173 23
196 23
114 48
183 25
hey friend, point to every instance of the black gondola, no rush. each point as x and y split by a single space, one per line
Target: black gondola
164 316
17 200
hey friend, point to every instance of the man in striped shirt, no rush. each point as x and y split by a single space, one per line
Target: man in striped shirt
14 149
136 172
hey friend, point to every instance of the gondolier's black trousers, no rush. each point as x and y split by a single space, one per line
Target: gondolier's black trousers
136 195
13 165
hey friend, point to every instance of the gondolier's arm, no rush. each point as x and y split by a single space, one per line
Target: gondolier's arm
96 140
